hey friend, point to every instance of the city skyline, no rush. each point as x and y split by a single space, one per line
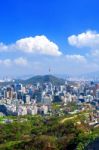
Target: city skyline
60 35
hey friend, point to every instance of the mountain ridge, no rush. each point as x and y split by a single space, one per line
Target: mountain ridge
45 79
38 79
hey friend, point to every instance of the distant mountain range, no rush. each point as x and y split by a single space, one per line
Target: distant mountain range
39 78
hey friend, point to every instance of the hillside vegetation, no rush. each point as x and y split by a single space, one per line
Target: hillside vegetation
46 133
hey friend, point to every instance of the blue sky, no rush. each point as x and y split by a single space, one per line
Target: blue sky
68 31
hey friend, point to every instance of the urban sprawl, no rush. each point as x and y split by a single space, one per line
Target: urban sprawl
47 99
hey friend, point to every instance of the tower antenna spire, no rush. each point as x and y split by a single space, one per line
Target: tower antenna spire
49 70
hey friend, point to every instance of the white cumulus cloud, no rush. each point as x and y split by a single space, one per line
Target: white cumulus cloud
6 62
76 58
86 39
38 45
18 61
3 47
95 53
21 61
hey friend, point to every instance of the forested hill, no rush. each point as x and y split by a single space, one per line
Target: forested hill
38 79
46 78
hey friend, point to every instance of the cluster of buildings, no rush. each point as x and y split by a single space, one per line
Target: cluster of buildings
19 99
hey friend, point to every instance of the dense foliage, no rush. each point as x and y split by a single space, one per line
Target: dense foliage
45 133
